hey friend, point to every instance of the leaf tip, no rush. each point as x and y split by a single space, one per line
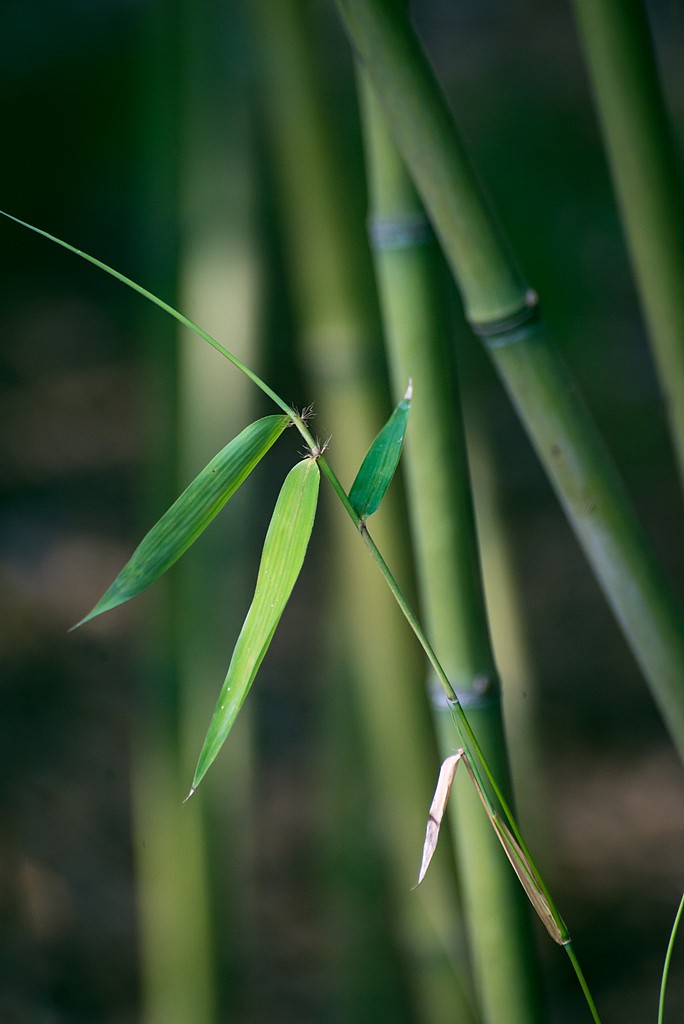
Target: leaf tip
431 837
103 605
409 390
81 622
193 789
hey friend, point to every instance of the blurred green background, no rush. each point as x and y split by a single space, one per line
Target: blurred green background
140 133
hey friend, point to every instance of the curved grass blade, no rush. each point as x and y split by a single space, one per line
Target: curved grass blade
191 512
151 297
668 960
281 560
380 463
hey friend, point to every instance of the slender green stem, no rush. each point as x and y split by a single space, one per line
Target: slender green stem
469 738
470 741
668 959
391 581
583 982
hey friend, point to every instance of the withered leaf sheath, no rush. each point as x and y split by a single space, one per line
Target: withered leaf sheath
380 463
191 512
519 860
281 560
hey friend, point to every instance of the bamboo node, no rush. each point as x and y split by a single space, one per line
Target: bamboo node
482 693
403 232
505 330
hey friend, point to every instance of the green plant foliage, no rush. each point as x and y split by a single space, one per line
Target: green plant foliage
284 550
381 461
281 560
191 512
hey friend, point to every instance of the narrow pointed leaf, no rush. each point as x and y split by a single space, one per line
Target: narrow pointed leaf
191 512
380 463
281 560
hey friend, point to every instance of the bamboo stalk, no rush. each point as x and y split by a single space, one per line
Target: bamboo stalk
192 407
175 947
503 311
408 271
622 66
336 330
502 584
219 282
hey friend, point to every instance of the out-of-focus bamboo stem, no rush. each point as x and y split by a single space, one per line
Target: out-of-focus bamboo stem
440 505
175 948
336 330
218 285
502 584
621 61
503 311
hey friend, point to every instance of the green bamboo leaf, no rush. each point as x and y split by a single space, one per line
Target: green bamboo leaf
381 461
191 512
281 560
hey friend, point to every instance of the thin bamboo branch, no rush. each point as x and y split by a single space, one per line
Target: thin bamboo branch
469 739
